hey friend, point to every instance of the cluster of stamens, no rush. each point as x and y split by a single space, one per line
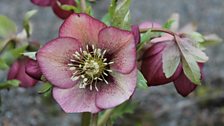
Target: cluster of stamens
90 66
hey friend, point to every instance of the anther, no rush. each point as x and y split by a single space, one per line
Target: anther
87 47
109 70
111 63
72 68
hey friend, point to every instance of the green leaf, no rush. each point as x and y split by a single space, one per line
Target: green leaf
211 40
9 84
11 55
145 38
168 24
141 83
3 65
7 27
31 55
127 107
197 53
112 8
45 88
171 59
106 19
189 63
26 22
191 69
195 36
120 14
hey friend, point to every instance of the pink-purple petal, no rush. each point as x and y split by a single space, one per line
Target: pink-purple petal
164 38
17 71
53 59
118 91
121 45
76 100
154 49
13 71
82 27
152 67
33 70
148 24
43 2
63 14
136 33
183 85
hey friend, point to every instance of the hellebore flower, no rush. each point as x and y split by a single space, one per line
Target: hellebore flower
63 14
17 71
91 66
33 70
165 54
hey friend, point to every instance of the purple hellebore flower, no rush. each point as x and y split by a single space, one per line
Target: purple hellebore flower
63 14
17 71
152 67
91 66
33 70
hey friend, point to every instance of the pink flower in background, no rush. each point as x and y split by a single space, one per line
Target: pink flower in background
33 70
91 66
148 24
63 14
152 64
17 71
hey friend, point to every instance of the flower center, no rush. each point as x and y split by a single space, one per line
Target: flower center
89 65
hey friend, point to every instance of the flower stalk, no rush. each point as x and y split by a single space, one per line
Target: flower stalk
86 117
159 30
94 119
105 117
83 5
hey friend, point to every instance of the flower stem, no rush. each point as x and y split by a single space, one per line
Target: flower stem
158 30
86 116
83 5
94 119
103 120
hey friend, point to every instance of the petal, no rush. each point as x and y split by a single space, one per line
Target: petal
82 27
121 45
164 38
53 59
76 99
149 24
183 85
152 68
17 71
154 49
136 33
118 91
33 70
63 14
14 69
42 2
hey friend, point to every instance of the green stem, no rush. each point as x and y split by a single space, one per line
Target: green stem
159 30
94 119
141 45
83 5
86 116
105 117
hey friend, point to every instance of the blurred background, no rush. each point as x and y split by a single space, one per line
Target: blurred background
157 106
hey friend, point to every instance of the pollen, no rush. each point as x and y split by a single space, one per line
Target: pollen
90 66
